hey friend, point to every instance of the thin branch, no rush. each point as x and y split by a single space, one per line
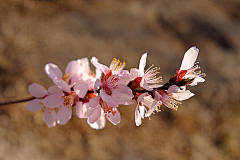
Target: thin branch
18 101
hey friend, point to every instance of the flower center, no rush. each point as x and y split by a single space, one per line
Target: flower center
70 99
106 109
109 84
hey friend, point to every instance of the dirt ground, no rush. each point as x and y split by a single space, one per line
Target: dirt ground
205 127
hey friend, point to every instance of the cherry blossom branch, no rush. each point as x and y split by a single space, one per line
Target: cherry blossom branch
164 87
98 96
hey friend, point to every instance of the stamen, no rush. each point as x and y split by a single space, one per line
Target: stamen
150 75
116 65
66 76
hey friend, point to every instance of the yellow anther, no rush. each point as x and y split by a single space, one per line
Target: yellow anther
66 76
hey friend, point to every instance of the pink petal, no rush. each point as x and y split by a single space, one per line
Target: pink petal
107 98
94 102
82 110
157 96
55 90
150 111
34 105
138 119
189 58
112 104
116 118
122 93
50 117
125 80
97 84
53 71
142 64
72 68
84 65
94 115
145 85
53 101
37 90
142 110
98 74
64 114
173 89
99 124
62 85
134 72
197 80
127 102
183 95
81 89
141 97
99 66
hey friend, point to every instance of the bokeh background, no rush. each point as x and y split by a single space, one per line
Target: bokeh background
207 126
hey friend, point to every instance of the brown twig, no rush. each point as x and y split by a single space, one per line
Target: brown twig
17 101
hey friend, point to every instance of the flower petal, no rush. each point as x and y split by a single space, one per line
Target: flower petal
173 89
183 95
64 114
141 97
82 110
150 111
72 69
197 80
53 101
134 72
97 84
84 65
34 105
53 71
37 90
157 96
127 102
123 81
116 118
122 93
142 64
142 110
62 85
94 102
189 58
94 115
81 89
145 85
99 124
138 119
107 98
99 66
50 117
55 90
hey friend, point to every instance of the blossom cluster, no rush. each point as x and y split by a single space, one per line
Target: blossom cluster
97 96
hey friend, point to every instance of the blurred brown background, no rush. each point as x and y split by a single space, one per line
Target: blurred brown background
33 33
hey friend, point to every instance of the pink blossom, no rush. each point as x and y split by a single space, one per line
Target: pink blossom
171 97
75 84
35 105
142 79
113 91
187 69
65 82
101 109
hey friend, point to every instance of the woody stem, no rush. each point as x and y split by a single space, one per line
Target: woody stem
17 101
